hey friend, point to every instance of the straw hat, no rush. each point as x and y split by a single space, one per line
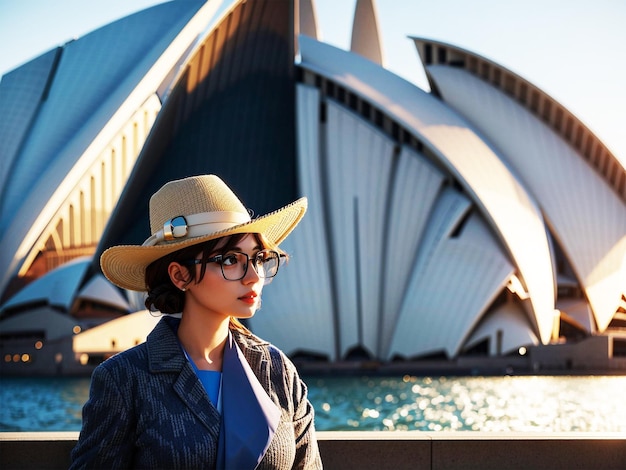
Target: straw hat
187 212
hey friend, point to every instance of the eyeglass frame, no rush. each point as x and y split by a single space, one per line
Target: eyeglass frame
218 259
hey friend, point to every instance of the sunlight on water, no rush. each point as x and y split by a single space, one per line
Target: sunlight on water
497 404
42 404
521 404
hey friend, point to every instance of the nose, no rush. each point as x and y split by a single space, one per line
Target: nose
251 272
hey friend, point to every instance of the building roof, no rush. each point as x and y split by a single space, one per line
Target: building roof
594 241
71 103
58 288
512 212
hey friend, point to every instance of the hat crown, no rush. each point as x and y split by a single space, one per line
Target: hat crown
193 195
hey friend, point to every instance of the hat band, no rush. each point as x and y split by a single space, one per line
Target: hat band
196 225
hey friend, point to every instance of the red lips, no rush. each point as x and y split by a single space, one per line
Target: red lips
249 297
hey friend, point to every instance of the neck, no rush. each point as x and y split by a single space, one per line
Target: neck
204 339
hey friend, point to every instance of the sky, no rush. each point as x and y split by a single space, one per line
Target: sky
571 49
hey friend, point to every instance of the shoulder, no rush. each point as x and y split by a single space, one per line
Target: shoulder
133 355
124 367
279 360
250 341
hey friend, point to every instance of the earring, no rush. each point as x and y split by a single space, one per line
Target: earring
183 289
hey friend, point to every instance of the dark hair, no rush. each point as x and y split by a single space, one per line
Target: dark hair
165 297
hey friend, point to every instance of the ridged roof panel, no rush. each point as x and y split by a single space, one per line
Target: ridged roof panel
95 74
102 80
416 186
535 100
57 288
509 321
359 165
99 289
585 215
458 273
496 191
21 92
301 298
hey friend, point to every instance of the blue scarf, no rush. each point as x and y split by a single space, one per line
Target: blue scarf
249 418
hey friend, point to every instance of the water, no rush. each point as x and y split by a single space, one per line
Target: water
42 404
497 404
525 403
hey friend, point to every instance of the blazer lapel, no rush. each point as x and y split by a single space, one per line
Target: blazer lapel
192 393
166 356
250 417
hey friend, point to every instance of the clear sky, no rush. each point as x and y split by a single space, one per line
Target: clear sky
571 49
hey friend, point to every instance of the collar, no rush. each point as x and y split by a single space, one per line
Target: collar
250 417
166 355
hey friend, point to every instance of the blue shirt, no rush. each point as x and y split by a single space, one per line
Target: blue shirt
211 381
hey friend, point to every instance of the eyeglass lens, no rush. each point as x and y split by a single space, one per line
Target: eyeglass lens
235 265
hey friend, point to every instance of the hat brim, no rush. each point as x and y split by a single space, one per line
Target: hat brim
125 265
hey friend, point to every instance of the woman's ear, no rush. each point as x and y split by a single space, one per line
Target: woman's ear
178 275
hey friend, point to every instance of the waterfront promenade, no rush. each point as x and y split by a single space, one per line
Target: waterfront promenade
389 450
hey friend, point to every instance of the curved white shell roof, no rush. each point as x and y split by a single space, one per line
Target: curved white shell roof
20 94
61 287
412 265
100 290
456 278
56 288
570 195
504 201
80 100
509 321
301 294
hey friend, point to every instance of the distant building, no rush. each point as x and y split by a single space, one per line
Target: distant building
475 219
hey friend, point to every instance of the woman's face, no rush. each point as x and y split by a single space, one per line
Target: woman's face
222 297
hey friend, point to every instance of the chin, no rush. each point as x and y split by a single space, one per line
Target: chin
245 315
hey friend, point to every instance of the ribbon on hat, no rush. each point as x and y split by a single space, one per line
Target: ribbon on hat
250 417
196 225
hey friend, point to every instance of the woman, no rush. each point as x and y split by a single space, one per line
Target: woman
202 391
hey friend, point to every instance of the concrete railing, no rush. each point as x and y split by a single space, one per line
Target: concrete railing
389 450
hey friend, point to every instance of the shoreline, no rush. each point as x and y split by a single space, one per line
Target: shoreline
447 368
462 367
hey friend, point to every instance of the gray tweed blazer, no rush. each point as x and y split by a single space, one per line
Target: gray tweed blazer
147 409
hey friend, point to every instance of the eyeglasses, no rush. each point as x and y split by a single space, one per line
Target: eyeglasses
235 264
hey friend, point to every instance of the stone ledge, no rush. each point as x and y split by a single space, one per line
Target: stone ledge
415 450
